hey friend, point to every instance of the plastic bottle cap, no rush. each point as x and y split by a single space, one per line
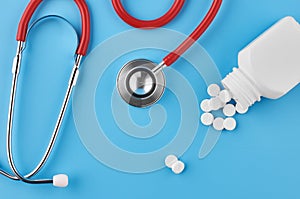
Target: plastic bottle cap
230 124
178 167
240 109
207 119
218 124
170 160
229 110
225 96
213 90
205 105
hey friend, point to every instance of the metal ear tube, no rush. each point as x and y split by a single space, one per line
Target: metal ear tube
60 180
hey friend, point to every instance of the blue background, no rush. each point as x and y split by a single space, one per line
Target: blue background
259 160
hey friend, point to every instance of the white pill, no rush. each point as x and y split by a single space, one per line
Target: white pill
178 167
225 96
207 119
230 124
170 160
205 105
229 110
213 90
218 124
240 109
215 104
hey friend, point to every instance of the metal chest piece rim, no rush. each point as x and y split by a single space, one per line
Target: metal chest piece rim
139 85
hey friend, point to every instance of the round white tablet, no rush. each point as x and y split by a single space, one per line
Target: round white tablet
230 124
225 96
213 90
205 105
178 167
215 103
240 109
229 110
218 124
207 119
170 160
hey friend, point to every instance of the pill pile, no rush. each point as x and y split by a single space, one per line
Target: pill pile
173 163
220 99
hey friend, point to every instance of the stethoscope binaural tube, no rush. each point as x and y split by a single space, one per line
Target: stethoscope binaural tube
85 18
58 180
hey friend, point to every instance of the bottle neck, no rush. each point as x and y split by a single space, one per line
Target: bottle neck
243 89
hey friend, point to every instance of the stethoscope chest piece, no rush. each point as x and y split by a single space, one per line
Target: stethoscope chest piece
139 84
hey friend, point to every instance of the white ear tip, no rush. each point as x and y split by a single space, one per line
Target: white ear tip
60 180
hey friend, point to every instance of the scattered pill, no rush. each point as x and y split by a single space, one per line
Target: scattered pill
229 110
215 103
240 109
178 167
218 124
213 90
205 105
207 119
219 100
230 124
225 96
170 160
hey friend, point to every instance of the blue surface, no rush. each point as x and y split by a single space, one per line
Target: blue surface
259 160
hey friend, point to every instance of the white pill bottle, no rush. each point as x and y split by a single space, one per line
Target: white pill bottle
268 67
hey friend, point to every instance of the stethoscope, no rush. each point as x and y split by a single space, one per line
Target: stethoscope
141 82
60 180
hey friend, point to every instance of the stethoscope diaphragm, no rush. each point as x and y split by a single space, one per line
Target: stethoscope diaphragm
139 85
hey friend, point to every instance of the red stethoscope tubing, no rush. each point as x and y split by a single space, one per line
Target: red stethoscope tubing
85 17
148 24
171 14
